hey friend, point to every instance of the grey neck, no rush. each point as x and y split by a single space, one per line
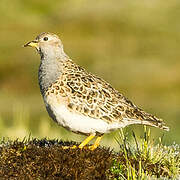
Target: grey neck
50 69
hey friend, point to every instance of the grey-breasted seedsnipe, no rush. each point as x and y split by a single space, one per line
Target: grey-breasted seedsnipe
80 101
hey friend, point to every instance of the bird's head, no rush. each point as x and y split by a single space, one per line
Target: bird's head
47 44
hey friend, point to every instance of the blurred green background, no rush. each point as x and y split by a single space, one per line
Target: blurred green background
134 45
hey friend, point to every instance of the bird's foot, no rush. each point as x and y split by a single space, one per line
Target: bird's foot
92 147
70 147
84 143
96 144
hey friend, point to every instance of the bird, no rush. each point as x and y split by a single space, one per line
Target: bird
79 100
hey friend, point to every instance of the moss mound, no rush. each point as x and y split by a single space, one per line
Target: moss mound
46 159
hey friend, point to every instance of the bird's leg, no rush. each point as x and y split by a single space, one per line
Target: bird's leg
89 138
96 143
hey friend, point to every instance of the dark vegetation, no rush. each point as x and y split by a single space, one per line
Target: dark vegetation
46 159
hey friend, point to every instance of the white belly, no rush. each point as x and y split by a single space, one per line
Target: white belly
76 122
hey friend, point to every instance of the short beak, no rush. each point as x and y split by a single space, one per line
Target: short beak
32 44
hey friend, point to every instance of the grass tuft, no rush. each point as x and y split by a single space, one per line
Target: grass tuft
143 159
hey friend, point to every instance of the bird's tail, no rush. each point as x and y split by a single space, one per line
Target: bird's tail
147 119
155 123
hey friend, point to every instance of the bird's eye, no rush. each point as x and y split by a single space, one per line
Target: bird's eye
45 38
